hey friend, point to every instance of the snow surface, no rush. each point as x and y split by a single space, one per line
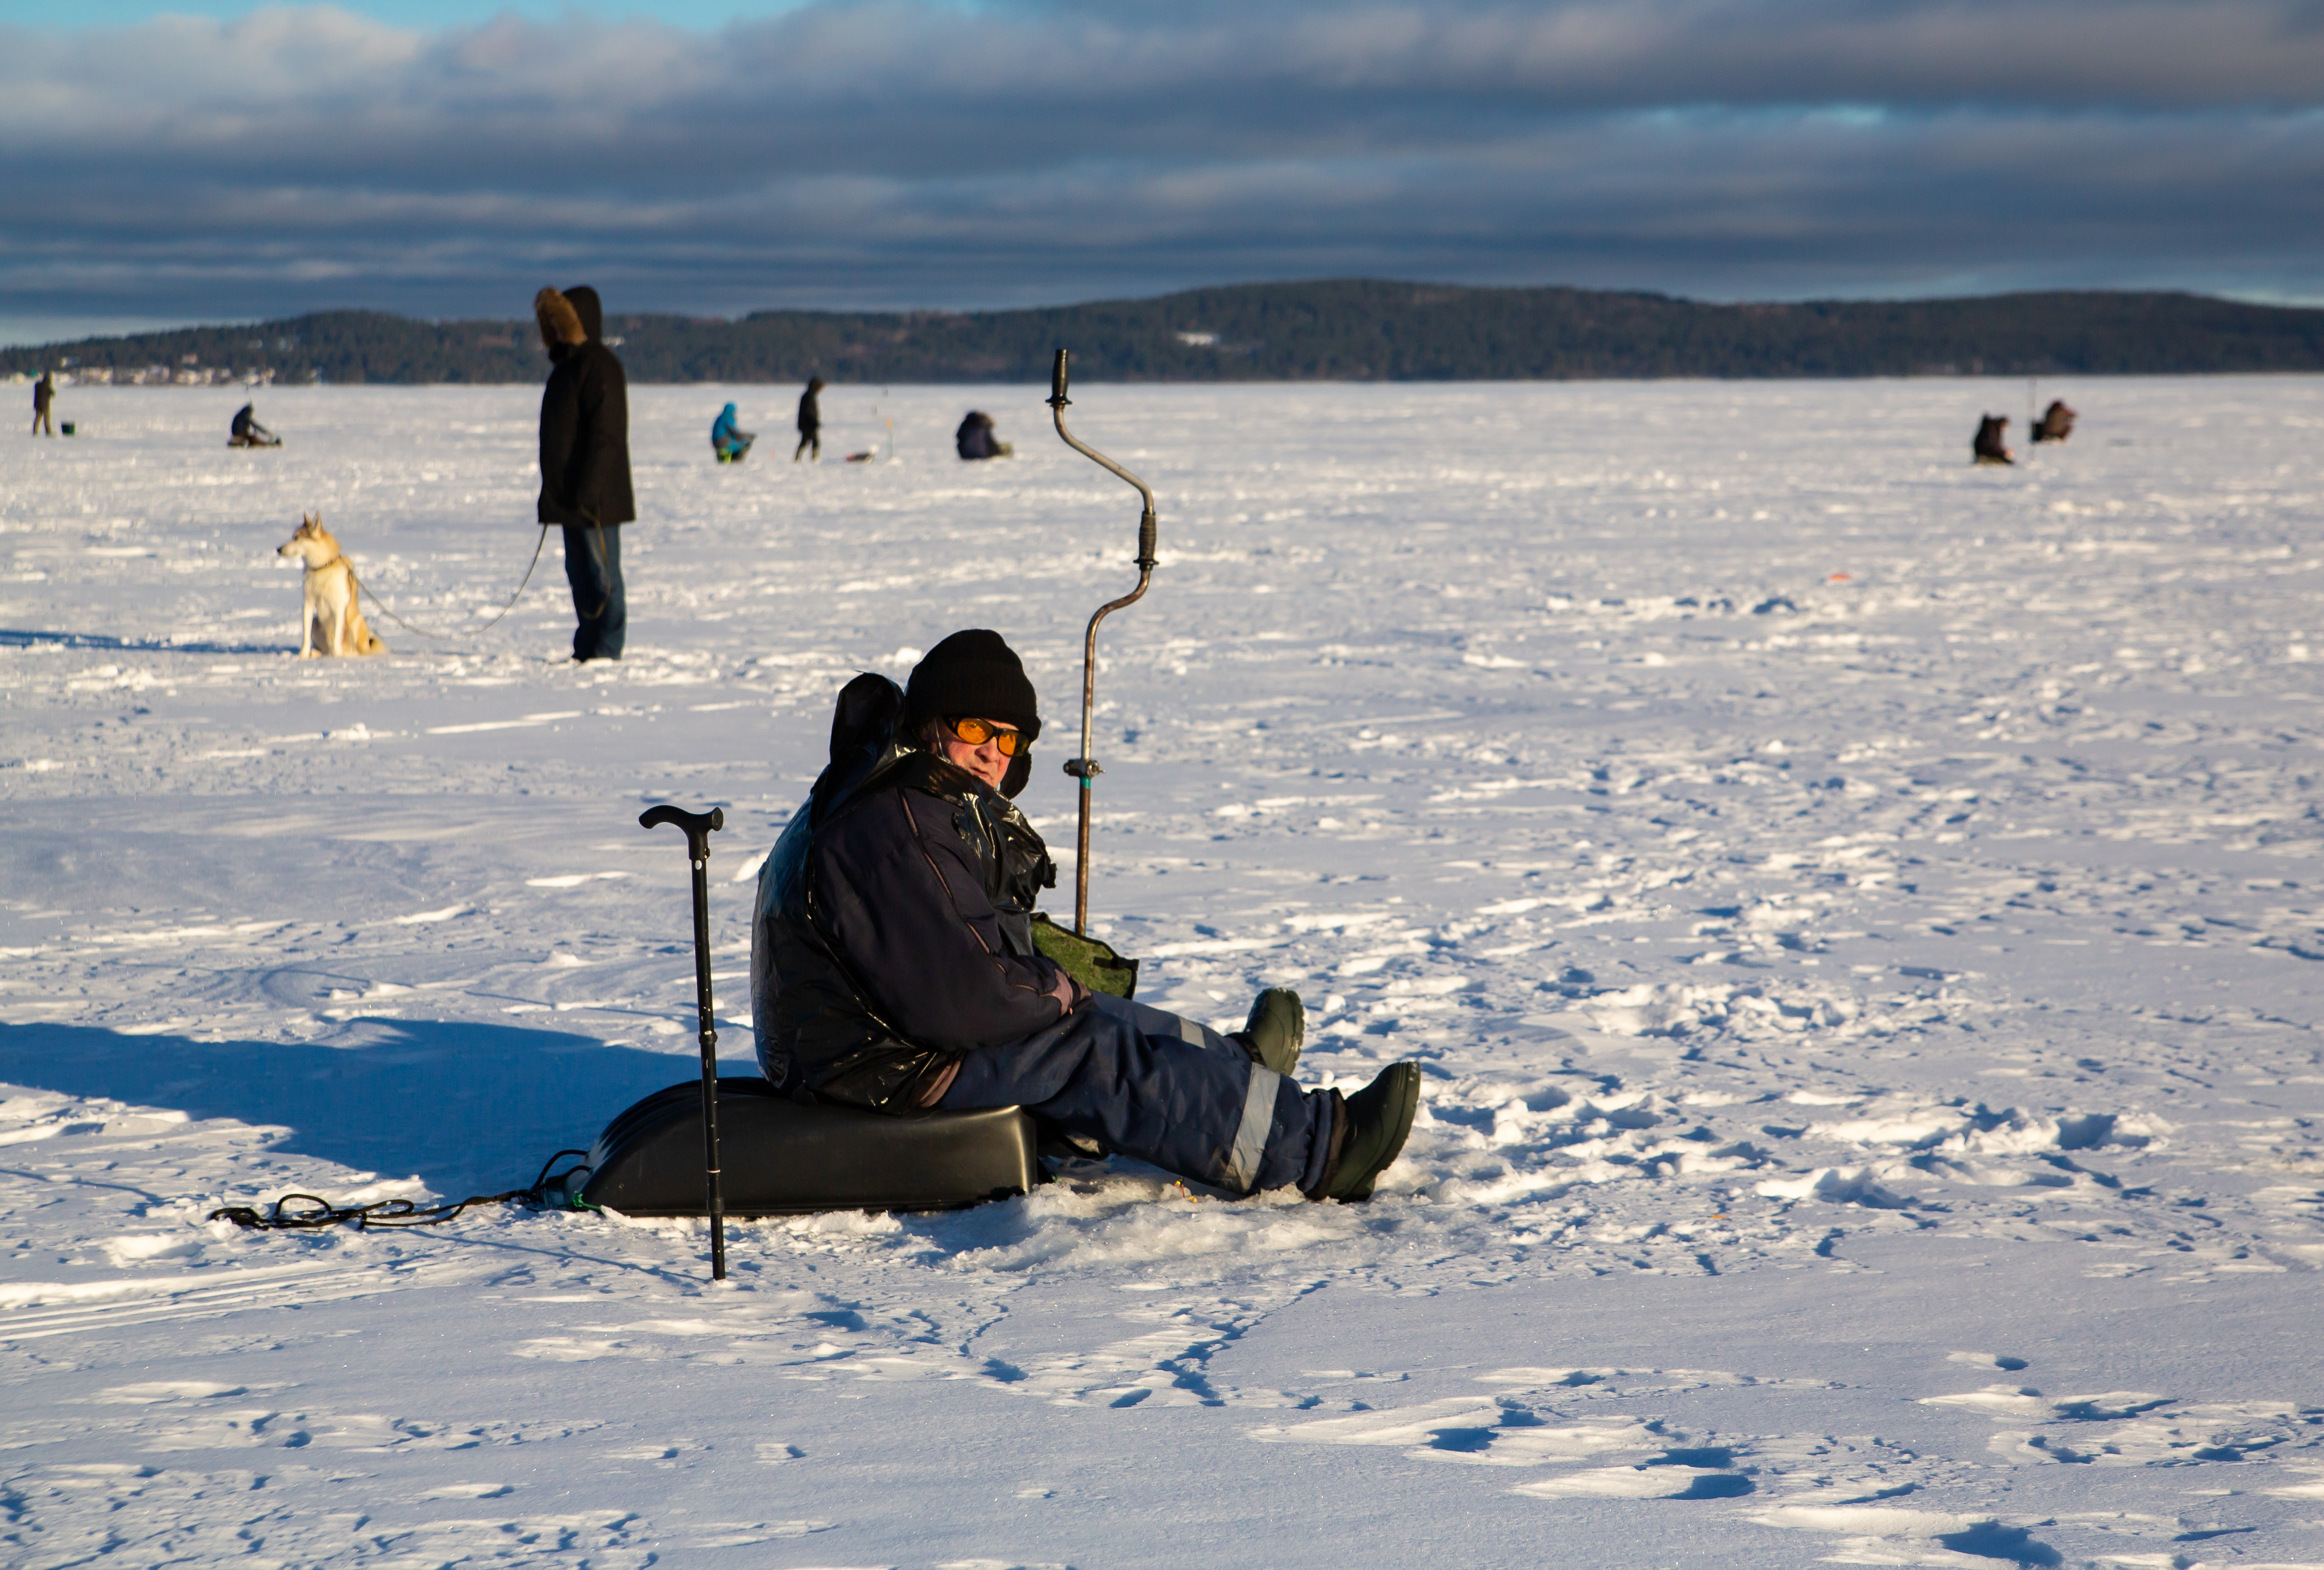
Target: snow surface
1858 915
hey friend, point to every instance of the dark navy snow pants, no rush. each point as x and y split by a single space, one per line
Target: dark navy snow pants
1163 1089
592 565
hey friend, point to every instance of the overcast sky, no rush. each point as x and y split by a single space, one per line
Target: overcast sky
208 161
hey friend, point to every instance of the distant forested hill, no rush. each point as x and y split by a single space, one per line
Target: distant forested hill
1354 329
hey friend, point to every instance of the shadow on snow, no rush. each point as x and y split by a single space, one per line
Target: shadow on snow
25 638
467 1108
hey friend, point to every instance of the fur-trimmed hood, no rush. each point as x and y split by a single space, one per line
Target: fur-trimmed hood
584 416
570 318
560 324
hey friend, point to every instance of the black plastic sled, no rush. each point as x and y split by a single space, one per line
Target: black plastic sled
782 1157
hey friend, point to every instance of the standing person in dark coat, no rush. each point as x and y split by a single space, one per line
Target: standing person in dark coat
44 394
811 421
585 464
893 965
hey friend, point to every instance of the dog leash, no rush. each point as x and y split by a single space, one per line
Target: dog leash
315 1214
381 605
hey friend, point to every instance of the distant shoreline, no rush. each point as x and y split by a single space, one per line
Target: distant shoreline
1339 330
67 379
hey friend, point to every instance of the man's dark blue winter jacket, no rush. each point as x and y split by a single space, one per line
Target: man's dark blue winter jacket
893 933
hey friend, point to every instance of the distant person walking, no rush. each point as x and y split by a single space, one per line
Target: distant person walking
44 395
1990 446
585 463
811 421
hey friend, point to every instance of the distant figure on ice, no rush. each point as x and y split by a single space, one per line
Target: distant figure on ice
729 441
44 395
810 422
585 464
894 966
975 437
2056 424
247 431
1988 447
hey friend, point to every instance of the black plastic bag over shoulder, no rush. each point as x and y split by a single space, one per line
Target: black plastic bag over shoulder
863 738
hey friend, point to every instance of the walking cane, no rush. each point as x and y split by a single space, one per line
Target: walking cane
1084 768
698 828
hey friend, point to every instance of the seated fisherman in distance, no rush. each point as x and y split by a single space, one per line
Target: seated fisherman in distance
892 961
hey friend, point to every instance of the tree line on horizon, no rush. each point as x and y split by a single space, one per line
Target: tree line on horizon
1354 329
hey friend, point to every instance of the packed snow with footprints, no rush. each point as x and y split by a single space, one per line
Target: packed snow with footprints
1857 915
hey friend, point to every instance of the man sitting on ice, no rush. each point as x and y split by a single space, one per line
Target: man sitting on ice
246 431
1990 444
893 965
976 439
728 440
2056 424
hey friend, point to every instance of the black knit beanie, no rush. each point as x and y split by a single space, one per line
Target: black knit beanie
973 674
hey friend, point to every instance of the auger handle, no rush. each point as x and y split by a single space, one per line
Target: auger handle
1085 767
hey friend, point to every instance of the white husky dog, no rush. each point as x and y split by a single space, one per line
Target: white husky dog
334 612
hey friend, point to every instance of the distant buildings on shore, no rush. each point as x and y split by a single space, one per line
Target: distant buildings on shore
189 374
195 369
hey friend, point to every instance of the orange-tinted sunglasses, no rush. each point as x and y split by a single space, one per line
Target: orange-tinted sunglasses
977 731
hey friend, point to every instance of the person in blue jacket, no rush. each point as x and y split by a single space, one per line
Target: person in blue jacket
728 440
893 965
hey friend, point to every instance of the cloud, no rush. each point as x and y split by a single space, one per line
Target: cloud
890 152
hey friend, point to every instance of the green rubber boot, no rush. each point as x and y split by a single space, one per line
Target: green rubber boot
1378 1120
1275 1031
